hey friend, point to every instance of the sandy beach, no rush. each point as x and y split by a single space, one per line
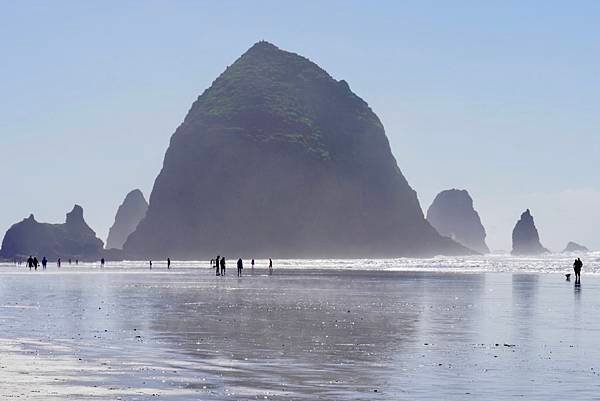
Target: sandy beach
326 334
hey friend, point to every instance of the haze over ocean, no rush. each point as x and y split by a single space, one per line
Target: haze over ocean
498 98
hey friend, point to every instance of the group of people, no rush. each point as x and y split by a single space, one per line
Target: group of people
33 263
220 266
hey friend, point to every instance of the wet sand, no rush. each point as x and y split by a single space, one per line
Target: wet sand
298 335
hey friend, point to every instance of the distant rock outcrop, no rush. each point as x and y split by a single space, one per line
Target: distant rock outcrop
130 213
575 247
73 239
525 237
277 158
452 215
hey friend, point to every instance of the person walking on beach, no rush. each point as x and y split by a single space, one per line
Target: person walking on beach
168 263
102 262
44 263
150 265
270 267
58 263
35 262
240 266
577 265
252 266
223 266
218 273
30 262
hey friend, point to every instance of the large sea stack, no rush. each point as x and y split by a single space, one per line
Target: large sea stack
279 159
130 213
73 239
452 215
525 237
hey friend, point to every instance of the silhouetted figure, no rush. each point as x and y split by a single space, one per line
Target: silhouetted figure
30 262
218 273
270 267
58 263
44 263
240 266
223 266
35 262
102 262
252 265
69 260
577 265
169 263
76 261
150 265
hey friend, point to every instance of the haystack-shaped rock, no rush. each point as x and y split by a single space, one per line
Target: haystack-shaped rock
525 237
452 215
279 159
130 213
73 239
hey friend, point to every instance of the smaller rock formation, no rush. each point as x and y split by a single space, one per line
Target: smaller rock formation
575 247
452 215
129 215
74 239
525 237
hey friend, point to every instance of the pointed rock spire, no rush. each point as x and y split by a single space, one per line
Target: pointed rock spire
525 237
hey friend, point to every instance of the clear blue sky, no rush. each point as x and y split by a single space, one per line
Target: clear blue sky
498 97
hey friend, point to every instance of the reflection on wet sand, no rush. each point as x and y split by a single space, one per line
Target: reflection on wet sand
298 335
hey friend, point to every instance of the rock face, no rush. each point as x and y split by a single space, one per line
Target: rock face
130 213
73 239
452 215
575 247
525 237
279 159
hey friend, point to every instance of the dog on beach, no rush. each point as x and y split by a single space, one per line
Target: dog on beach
568 276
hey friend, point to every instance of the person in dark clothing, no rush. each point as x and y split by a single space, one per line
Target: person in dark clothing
223 266
35 262
150 265
270 267
240 266
30 262
102 262
58 263
577 265
218 272
252 266
44 263
169 263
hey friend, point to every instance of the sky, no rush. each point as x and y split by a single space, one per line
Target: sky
498 97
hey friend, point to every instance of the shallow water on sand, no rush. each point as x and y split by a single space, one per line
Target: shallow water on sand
330 334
